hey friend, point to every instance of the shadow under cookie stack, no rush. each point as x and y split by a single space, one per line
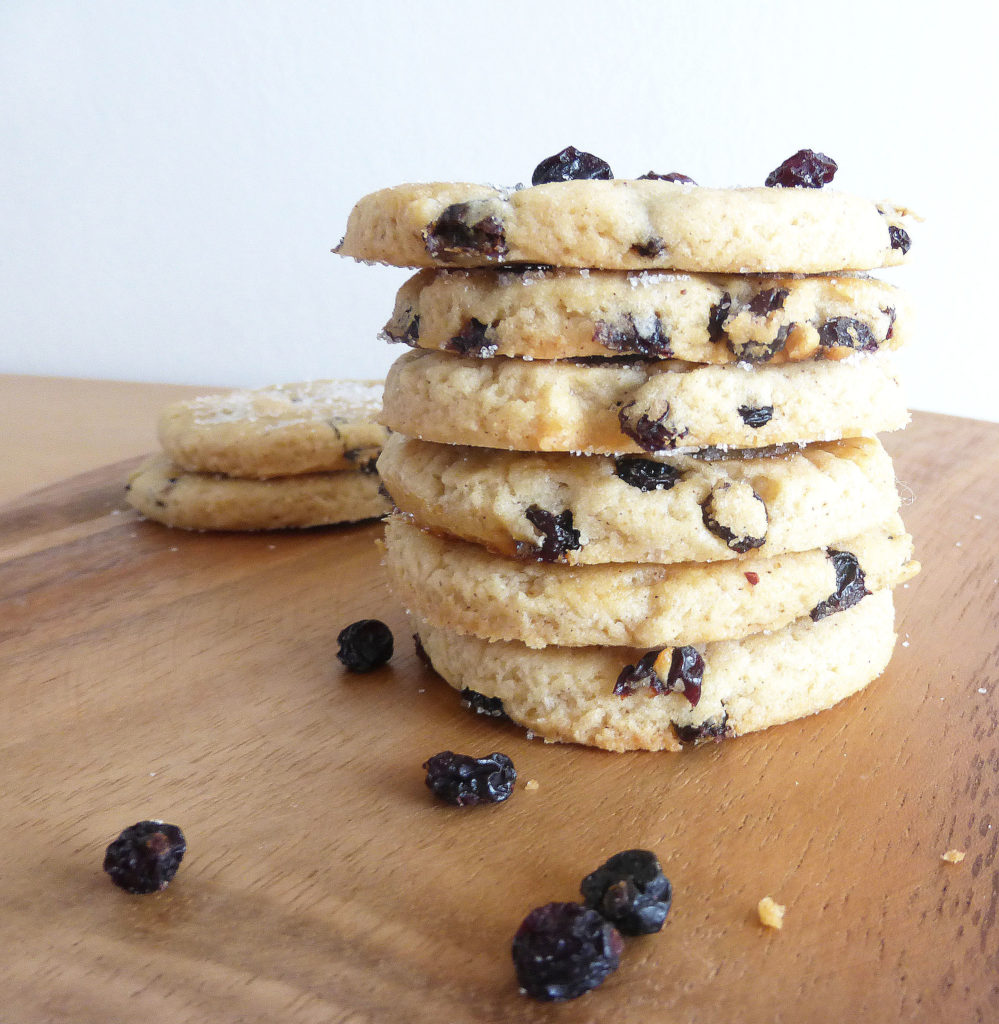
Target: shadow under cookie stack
640 500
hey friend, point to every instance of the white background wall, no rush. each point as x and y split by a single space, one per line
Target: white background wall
174 174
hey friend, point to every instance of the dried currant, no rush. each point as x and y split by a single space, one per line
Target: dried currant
645 474
806 169
631 891
850 585
714 730
643 673
465 781
672 176
649 249
626 336
408 334
847 332
571 165
717 317
365 645
474 339
654 435
731 504
492 707
768 301
756 416
899 238
145 857
889 311
556 530
685 674
563 950
464 229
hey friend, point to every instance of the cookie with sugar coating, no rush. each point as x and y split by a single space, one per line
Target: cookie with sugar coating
626 224
163 492
567 694
642 508
282 430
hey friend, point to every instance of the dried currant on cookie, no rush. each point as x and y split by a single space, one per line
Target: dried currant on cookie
642 673
675 176
364 645
145 857
571 165
654 435
466 781
756 416
806 169
737 515
465 229
474 339
717 317
645 474
631 891
648 340
684 675
713 730
491 707
899 238
556 530
847 332
563 950
850 585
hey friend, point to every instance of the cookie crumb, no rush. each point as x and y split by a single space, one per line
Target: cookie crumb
532 785
771 913
953 856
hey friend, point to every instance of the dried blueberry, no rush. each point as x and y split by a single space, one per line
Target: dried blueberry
756 416
850 585
145 857
562 950
465 229
556 530
899 238
474 339
492 707
365 645
645 474
806 169
717 317
649 340
631 891
654 435
672 176
570 165
465 781
846 332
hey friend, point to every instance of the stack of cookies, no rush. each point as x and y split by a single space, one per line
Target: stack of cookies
640 500
292 455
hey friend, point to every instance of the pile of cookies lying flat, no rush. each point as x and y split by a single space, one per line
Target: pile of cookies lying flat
291 455
640 501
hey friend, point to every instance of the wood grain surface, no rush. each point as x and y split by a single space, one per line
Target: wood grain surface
193 677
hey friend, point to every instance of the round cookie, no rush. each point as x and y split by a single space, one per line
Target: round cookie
566 694
307 427
559 314
640 509
620 406
626 225
204 501
463 587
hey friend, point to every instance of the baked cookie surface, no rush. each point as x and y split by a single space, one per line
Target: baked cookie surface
627 405
463 587
307 427
567 694
625 224
163 492
639 508
559 314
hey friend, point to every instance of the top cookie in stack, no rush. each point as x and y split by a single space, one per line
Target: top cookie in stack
690 487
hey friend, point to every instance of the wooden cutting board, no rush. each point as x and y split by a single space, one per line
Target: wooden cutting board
193 677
